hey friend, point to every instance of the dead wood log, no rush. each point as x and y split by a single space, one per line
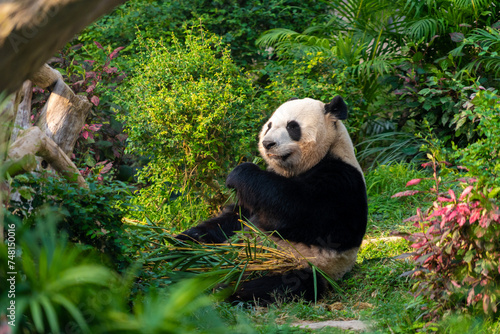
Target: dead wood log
34 142
63 116
8 110
22 121
32 30
45 77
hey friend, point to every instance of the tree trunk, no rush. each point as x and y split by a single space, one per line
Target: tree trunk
63 116
53 138
32 30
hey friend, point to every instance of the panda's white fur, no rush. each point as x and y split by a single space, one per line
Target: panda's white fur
334 264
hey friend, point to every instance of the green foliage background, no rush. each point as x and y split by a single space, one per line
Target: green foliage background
193 114
180 90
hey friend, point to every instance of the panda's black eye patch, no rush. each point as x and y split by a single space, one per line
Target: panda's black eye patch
294 131
269 125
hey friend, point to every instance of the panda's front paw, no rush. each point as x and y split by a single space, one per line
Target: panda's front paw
237 173
193 234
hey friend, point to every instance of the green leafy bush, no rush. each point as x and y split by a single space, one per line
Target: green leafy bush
91 216
481 158
457 248
239 23
436 95
364 34
193 115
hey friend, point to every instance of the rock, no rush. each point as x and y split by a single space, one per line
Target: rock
354 325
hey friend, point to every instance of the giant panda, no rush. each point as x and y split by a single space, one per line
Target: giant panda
312 197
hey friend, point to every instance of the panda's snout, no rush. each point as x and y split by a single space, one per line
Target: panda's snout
268 144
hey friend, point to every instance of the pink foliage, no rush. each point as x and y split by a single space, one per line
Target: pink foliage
115 52
457 248
88 130
95 100
405 193
413 182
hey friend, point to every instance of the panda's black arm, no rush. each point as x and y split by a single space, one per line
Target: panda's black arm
219 228
332 195
268 193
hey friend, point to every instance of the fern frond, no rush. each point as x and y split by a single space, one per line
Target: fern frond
424 28
286 41
349 49
275 36
488 42
486 38
490 64
388 147
380 65
474 5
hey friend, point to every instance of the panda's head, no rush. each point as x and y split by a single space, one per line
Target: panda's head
302 132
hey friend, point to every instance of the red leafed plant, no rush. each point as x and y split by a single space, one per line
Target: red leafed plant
457 247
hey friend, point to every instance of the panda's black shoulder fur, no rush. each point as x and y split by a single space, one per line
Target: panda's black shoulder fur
325 206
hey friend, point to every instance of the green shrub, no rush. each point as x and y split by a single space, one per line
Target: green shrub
239 23
91 216
437 95
457 249
192 114
481 158
362 33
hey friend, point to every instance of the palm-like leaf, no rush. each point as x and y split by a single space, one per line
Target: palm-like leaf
389 147
488 41
424 28
361 33
473 5
55 280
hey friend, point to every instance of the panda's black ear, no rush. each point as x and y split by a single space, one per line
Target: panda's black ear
337 108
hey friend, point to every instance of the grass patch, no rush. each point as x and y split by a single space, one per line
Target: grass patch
373 291
386 214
